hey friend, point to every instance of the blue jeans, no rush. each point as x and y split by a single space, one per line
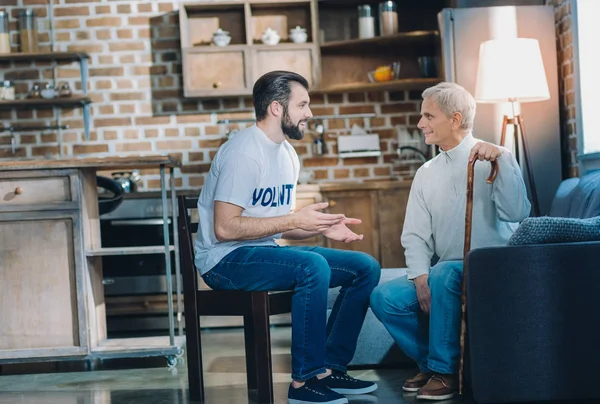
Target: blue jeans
309 272
433 341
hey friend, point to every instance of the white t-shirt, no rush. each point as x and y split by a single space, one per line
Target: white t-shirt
250 171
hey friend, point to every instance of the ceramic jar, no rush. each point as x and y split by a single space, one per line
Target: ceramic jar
221 38
298 35
270 37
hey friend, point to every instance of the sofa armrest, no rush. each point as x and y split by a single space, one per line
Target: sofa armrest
532 327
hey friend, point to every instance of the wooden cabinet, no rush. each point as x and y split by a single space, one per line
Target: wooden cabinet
381 206
41 266
213 71
52 303
361 205
347 59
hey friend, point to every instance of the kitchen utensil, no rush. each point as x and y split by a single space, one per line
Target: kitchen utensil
107 204
127 180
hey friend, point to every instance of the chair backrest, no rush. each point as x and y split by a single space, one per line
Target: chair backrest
187 229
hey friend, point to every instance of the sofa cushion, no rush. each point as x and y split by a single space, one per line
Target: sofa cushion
544 230
578 197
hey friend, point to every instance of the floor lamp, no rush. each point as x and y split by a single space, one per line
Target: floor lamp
511 70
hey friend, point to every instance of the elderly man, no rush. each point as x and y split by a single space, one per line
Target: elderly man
422 311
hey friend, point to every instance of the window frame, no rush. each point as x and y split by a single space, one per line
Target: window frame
589 161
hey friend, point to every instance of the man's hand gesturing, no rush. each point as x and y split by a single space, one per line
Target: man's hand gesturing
310 219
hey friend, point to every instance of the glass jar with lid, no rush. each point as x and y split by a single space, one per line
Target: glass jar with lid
388 18
366 22
8 90
4 33
28 31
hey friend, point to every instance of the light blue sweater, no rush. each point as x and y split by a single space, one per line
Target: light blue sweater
435 215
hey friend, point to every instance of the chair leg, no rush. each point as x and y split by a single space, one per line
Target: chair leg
194 359
262 338
250 353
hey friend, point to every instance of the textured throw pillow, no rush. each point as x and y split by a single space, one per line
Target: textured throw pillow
544 230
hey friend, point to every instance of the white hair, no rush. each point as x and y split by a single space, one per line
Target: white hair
451 98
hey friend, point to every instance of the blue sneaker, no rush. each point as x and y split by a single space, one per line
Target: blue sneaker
314 391
345 384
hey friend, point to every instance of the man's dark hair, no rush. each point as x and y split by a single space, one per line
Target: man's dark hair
274 86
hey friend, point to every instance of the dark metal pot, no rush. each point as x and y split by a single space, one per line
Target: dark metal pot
107 204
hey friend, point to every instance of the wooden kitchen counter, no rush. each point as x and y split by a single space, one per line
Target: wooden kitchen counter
114 163
51 278
367 185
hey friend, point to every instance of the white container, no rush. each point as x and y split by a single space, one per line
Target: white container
298 35
221 38
270 37
366 22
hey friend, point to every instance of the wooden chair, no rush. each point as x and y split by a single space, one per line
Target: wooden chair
255 307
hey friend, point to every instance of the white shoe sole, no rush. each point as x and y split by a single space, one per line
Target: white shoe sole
356 391
337 401
411 389
435 398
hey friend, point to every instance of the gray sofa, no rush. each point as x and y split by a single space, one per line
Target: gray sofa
375 347
533 305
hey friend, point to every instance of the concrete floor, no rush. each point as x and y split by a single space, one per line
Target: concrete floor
151 382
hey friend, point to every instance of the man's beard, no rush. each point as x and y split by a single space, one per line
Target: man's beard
289 129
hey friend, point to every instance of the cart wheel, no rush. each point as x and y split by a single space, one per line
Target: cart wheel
180 354
171 361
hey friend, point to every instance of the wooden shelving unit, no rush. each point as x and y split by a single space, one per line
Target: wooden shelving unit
404 39
232 70
53 57
101 252
29 103
44 56
402 84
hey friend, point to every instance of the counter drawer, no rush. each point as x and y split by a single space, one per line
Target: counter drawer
35 191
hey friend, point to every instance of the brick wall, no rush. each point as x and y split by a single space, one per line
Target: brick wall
135 84
564 47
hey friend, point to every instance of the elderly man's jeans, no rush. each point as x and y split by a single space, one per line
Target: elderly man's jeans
432 341
309 272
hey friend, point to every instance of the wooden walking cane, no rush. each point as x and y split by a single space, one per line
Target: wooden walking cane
467 247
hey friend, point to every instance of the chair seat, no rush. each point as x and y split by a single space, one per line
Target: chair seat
239 302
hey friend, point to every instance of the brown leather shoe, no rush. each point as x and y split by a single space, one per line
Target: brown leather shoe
416 382
439 387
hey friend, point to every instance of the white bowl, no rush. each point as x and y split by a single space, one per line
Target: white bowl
221 40
298 37
271 40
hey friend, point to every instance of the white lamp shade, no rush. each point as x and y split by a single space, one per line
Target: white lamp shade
511 69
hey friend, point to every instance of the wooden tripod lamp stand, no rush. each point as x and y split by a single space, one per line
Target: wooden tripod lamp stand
501 79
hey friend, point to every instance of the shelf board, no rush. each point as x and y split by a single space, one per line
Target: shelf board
101 252
44 56
138 347
401 39
72 102
402 84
